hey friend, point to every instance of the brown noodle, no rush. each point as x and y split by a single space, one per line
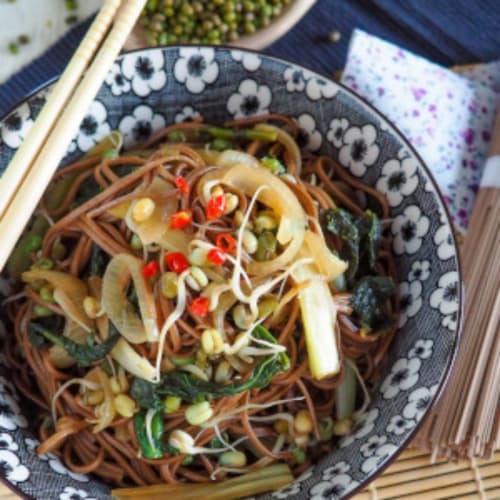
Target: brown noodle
112 453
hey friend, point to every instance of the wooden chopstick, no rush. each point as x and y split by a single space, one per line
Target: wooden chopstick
22 160
40 168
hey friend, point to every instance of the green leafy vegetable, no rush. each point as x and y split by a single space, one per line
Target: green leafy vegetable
84 354
206 133
150 448
369 296
370 231
360 236
98 261
186 386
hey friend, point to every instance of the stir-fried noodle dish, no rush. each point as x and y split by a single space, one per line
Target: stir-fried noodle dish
208 303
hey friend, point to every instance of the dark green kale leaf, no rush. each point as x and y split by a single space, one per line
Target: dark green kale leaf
84 354
369 297
360 236
370 232
189 388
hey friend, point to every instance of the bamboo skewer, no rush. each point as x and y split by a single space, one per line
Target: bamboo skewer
15 174
41 169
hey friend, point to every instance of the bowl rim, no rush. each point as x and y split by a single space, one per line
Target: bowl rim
393 129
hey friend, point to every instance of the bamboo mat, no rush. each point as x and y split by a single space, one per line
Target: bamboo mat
412 477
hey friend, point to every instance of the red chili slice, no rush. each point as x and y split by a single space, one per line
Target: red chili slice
182 184
225 242
216 206
199 306
150 269
216 256
181 219
176 262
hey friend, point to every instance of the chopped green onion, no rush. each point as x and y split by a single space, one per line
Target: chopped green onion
345 394
109 154
220 144
178 361
13 48
273 164
176 136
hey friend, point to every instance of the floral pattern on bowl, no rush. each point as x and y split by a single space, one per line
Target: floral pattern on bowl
150 88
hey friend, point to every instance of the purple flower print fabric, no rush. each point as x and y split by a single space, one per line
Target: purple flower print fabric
448 117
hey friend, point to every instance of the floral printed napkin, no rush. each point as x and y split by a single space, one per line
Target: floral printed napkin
448 117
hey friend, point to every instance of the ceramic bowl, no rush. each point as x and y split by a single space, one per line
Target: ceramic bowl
146 90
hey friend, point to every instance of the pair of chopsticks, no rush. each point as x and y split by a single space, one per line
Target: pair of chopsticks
32 167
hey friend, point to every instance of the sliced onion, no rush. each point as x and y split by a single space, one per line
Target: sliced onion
175 240
106 410
288 141
69 293
329 265
232 157
102 322
280 198
131 361
120 270
153 228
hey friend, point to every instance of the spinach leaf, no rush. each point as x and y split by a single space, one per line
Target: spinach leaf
54 323
189 388
150 448
83 354
369 296
37 340
360 236
98 261
146 394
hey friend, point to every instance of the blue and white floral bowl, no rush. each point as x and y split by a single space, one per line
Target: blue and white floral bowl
146 90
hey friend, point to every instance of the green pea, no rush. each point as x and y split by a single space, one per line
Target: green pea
33 244
299 455
71 4
266 246
41 312
23 39
46 294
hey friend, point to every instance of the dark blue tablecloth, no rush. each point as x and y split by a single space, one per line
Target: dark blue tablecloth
446 31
